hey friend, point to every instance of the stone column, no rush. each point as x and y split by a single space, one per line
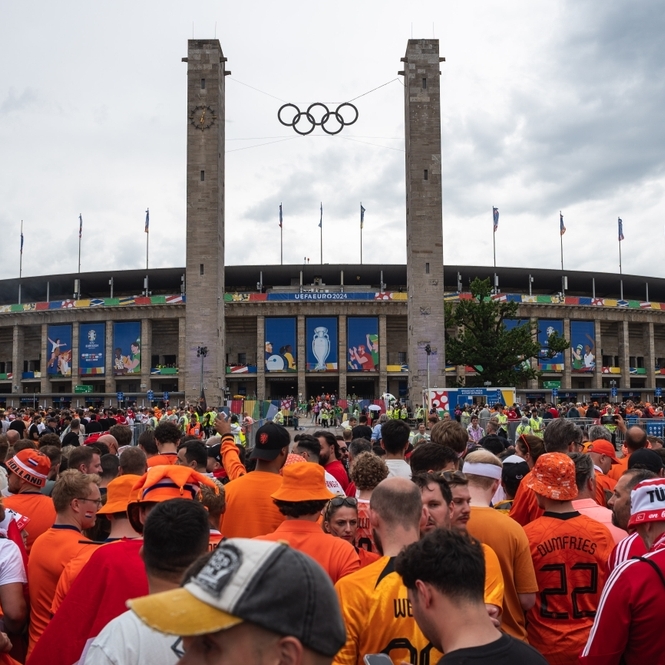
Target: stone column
261 358
383 355
598 372
18 347
342 354
532 384
301 355
624 353
182 353
75 355
146 354
651 356
566 382
109 379
45 382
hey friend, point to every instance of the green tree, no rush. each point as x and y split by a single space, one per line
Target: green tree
499 355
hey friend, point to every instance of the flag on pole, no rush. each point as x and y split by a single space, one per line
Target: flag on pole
280 215
321 219
21 242
620 229
80 225
495 215
362 216
147 219
562 228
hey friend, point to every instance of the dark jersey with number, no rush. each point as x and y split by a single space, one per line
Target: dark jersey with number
570 553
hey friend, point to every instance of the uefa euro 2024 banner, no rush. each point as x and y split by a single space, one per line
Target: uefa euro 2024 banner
545 328
92 349
60 350
126 348
582 346
363 343
321 344
280 344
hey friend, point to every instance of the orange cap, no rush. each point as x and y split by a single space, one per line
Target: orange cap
603 447
119 493
303 482
30 465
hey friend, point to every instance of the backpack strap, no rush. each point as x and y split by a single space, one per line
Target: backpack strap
659 572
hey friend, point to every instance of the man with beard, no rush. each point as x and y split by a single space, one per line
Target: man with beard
329 457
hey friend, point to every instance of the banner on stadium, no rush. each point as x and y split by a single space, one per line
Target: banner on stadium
547 327
362 339
281 344
60 351
92 349
126 348
582 346
321 344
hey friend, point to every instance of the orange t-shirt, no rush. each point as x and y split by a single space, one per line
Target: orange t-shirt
250 511
336 556
604 484
38 508
51 551
619 469
570 553
162 459
70 573
366 557
510 544
525 505
364 535
231 458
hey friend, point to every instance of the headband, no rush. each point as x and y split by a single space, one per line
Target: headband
481 469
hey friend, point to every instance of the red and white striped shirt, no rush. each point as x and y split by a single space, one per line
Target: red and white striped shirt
628 548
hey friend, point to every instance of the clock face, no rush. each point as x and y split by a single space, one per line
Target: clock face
202 117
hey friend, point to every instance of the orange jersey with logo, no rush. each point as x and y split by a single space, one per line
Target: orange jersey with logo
570 553
364 535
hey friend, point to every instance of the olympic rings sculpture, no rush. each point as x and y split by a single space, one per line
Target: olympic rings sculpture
324 118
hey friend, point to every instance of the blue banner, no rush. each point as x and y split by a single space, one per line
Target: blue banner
126 348
280 344
92 349
362 340
59 350
546 327
583 346
321 344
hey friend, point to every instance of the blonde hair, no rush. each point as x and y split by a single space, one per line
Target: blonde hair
72 484
482 457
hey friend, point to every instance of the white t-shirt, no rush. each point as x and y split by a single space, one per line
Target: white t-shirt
128 641
12 569
398 468
333 485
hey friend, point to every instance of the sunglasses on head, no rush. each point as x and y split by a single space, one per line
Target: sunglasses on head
453 476
338 502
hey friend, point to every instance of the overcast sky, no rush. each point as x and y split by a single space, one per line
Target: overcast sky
546 106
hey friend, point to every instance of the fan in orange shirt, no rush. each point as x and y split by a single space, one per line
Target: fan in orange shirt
300 499
167 438
27 474
77 499
570 553
604 457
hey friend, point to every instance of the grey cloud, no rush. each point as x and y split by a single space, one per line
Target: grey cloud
15 101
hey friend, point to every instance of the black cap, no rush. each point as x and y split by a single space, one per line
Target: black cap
515 472
215 452
646 459
269 440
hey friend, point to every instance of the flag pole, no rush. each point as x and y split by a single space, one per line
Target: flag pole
80 234
147 236
561 238
321 227
494 216
620 236
362 220
20 266
281 237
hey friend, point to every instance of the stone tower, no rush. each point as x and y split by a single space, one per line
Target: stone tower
424 215
204 325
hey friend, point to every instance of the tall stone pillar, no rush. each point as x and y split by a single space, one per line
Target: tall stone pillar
624 353
76 355
109 379
146 353
261 358
342 355
302 355
383 355
598 372
566 382
18 356
182 331
650 360
424 214
45 382
205 219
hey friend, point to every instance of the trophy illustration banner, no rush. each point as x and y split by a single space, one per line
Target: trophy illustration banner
92 343
321 343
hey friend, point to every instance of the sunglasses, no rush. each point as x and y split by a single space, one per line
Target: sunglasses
338 502
453 477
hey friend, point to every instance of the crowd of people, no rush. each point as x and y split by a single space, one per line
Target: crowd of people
439 541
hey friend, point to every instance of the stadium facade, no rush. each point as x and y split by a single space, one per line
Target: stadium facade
266 332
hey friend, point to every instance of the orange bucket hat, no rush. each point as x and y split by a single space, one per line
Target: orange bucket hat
303 482
553 476
120 493
171 481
